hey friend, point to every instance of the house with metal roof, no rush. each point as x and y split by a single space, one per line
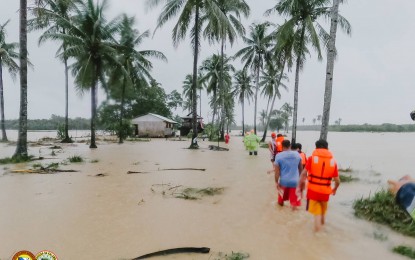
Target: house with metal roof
153 125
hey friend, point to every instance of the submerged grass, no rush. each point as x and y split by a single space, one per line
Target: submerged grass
75 159
348 169
17 159
237 256
50 166
382 208
347 178
195 194
405 251
263 145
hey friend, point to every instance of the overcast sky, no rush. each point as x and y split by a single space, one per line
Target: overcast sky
373 74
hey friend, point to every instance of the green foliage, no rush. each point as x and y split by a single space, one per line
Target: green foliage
264 145
276 123
348 169
347 178
60 132
405 251
373 128
380 236
382 208
52 123
108 119
212 132
194 193
75 159
383 128
237 256
16 159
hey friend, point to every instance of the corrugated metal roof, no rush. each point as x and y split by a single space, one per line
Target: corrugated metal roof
159 117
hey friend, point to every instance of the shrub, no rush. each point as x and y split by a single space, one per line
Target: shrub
382 208
75 159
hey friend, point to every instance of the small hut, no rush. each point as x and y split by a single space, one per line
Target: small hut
153 125
187 124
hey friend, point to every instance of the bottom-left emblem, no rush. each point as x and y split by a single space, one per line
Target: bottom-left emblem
24 255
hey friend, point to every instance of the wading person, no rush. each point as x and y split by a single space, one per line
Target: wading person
272 147
252 141
287 171
279 140
302 154
404 189
320 170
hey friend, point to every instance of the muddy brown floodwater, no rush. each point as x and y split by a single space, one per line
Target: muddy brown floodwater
122 216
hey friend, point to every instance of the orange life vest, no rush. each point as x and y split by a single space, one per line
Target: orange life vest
303 158
322 169
279 140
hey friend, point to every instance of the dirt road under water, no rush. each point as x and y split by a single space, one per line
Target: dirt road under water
121 216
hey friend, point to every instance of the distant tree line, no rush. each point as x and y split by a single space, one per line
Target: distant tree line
386 127
51 124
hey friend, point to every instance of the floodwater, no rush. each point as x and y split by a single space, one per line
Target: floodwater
121 216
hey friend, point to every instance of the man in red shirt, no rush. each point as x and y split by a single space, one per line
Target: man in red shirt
320 170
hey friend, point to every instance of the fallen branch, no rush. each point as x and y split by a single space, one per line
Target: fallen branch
180 250
41 171
217 148
183 169
134 172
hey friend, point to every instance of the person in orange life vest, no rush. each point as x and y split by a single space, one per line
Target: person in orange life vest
287 171
320 170
278 141
302 154
272 147
227 137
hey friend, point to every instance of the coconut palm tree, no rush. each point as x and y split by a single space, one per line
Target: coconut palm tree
287 111
211 69
214 70
47 17
243 90
197 12
271 82
331 53
187 92
221 32
254 55
302 21
135 67
7 56
90 41
21 147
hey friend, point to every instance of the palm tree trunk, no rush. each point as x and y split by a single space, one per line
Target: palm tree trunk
243 117
200 102
194 144
121 130
297 81
93 113
331 52
256 92
67 139
272 105
214 114
3 124
21 148
222 91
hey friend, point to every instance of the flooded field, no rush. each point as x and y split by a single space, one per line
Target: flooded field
116 215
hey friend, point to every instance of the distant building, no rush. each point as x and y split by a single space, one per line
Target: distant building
187 124
153 125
